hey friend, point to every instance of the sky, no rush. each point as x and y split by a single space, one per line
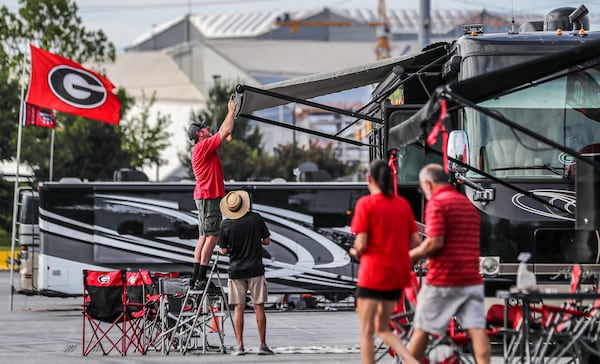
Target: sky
126 20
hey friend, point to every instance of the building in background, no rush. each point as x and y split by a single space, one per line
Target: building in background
182 59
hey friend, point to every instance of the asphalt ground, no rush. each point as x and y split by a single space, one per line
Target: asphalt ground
49 330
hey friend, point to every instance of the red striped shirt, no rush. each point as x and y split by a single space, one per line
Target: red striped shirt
450 214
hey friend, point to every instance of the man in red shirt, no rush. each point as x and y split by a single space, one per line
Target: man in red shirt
453 285
209 190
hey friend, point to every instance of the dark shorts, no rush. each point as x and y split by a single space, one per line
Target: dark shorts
393 295
209 216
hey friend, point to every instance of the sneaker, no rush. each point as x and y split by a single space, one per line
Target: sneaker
238 351
264 350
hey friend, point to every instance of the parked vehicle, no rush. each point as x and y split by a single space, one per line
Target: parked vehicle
28 238
524 109
120 225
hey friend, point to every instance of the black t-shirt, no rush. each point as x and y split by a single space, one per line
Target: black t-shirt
242 238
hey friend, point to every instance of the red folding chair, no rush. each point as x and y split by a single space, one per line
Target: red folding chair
136 311
113 312
104 314
153 327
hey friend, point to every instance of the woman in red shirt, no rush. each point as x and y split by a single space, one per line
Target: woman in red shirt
385 230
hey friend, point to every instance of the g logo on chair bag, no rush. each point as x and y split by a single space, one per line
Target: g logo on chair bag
103 279
76 87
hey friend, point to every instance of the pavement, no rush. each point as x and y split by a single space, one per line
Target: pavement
48 329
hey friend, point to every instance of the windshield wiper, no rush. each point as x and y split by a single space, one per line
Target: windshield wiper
541 166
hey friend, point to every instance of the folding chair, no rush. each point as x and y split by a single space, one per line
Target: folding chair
104 312
570 331
136 310
550 321
175 313
152 317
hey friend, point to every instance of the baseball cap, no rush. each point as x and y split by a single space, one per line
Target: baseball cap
194 128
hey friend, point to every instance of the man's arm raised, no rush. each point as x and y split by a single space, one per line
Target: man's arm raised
227 125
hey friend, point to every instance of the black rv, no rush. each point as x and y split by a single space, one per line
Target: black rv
522 111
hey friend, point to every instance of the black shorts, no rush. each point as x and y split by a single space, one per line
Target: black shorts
393 295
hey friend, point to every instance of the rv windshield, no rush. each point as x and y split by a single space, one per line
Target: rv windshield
565 110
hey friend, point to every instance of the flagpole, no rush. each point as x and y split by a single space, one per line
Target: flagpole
51 155
16 189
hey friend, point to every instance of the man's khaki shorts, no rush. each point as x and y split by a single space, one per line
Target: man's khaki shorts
209 216
239 287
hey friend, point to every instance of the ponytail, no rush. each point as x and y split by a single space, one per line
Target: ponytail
382 175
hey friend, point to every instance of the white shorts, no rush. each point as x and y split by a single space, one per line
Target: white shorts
437 305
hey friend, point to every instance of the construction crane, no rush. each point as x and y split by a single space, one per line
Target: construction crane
295 24
382 48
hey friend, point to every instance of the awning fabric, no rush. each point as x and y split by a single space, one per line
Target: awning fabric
312 86
490 85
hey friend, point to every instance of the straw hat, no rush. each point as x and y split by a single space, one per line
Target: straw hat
235 204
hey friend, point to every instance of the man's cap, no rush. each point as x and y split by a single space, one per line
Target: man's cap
195 128
235 204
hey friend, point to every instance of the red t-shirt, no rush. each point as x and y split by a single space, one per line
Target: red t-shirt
207 169
450 214
388 222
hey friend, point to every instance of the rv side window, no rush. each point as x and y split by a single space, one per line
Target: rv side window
411 158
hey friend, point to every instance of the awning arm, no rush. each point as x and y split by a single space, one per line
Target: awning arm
390 84
304 130
354 114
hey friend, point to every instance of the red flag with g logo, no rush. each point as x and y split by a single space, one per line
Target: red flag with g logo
60 84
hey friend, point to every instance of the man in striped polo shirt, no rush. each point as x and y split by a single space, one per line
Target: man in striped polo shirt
453 285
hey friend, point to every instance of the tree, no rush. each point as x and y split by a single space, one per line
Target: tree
238 156
243 158
142 141
52 25
288 157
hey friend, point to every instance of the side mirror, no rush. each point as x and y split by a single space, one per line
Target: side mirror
458 148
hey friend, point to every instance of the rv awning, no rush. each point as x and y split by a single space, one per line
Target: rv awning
308 87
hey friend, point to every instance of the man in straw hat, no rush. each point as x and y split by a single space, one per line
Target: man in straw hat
242 235
209 190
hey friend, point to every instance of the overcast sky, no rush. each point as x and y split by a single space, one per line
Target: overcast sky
125 20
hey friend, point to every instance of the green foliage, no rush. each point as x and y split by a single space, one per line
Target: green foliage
9 115
244 159
6 203
55 26
238 156
83 148
143 142
88 150
237 160
216 110
288 157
